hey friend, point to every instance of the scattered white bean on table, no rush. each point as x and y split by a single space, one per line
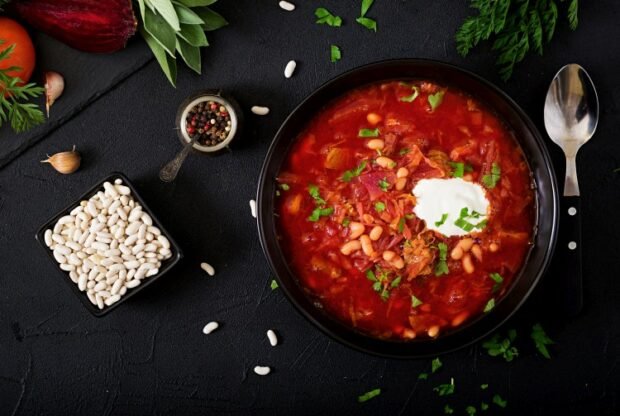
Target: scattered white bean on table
207 268
210 327
262 370
253 207
288 6
273 339
261 111
290 69
102 244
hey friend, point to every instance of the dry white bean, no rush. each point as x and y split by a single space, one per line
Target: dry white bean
273 339
47 237
123 190
210 327
99 299
82 282
116 287
262 370
290 69
288 6
207 268
253 207
112 299
151 272
73 276
133 283
67 267
260 111
92 298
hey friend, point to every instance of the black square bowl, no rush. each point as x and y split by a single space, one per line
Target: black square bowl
166 265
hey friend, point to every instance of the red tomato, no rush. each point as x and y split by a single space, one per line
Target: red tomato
23 57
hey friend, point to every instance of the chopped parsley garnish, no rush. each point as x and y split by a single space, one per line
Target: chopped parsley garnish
484 386
383 184
490 179
313 190
401 225
381 282
319 212
541 340
497 399
409 216
443 219
346 222
464 220
348 175
490 305
498 279
442 265
448 410
423 376
404 151
483 406
274 284
324 17
368 395
436 99
284 186
496 347
335 53
368 23
459 169
379 206
470 410
445 389
436 364
412 97
415 302
368 133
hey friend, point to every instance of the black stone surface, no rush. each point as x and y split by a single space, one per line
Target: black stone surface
150 356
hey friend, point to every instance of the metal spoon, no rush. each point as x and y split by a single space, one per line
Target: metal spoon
571 117
170 170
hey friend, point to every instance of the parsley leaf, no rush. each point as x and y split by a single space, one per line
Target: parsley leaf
442 266
379 206
497 347
498 279
383 184
490 305
436 99
348 175
313 190
415 302
448 410
460 168
368 23
497 399
395 282
443 219
412 97
274 284
368 395
325 17
484 386
284 186
335 53
541 340
319 212
366 4
470 410
368 133
436 364
403 151
483 406
401 225
346 222
445 389
490 179
463 222
423 376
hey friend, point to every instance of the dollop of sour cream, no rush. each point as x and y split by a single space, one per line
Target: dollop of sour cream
440 202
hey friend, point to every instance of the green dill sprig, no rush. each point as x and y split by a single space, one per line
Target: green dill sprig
516 26
20 115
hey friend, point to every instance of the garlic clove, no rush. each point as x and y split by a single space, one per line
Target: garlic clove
64 162
54 86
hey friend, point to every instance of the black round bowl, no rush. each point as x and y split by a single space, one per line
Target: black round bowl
526 134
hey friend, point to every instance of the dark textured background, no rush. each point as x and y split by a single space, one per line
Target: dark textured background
150 356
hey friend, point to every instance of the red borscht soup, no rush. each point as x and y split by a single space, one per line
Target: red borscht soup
405 209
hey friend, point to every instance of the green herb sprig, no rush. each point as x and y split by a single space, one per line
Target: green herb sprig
170 27
335 53
348 175
497 347
20 115
515 27
320 210
541 340
490 179
368 395
367 22
325 17
381 282
441 267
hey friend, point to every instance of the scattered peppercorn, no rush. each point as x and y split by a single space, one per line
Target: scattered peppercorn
210 120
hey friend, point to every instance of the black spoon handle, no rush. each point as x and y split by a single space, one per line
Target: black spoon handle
569 250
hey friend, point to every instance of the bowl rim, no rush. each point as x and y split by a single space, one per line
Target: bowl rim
167 265
375 346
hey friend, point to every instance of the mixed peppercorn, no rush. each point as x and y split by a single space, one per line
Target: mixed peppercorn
210 120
